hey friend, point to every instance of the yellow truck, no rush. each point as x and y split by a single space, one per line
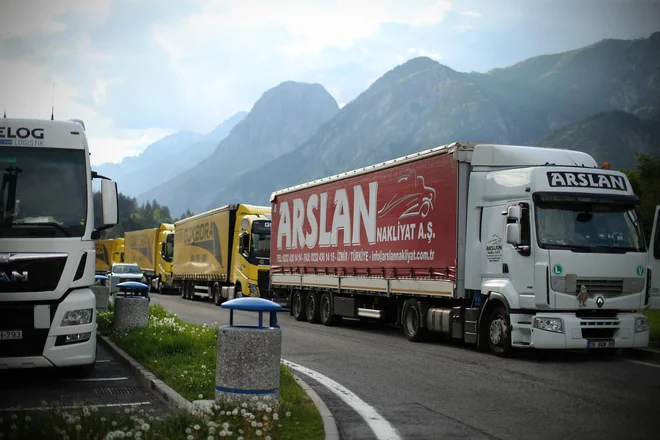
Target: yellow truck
108 252
223 253
151 249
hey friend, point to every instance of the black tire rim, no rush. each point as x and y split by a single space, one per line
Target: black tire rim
297 304
311 305
325 308
412 320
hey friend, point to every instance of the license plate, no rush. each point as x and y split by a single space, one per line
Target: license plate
600 344
11 334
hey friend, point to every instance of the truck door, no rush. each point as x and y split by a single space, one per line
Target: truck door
517 252
654 263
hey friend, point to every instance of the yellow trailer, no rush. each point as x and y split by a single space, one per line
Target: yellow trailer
151 250
108 251
223 253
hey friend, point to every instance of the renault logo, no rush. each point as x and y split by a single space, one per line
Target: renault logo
600 301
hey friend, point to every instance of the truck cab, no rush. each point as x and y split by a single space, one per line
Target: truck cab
162 281
251 259
47 253
556 256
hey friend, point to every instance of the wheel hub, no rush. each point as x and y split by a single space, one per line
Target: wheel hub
496 330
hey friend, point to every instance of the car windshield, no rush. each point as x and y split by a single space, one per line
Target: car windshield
590 227
126 269
43 192
260 242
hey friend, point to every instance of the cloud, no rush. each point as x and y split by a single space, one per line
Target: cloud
422 53
470 14
310 26
44 17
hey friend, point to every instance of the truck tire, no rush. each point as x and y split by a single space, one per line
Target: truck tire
217 299
498 330
327 317
298 306
312 308
412 321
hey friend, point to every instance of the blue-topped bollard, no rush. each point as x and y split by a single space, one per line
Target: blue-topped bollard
131 311
248 359
101 292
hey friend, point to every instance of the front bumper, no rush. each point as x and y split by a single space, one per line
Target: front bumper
581 333
41 328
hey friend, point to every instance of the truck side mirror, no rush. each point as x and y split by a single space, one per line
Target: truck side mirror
513 234
109 204
514 213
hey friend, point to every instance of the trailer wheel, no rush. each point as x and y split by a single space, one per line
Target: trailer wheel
499 336
217 299
412 321
313 309
297 306
327 318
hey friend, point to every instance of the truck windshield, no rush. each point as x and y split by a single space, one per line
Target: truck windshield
260 243
43 192
169 248
592 227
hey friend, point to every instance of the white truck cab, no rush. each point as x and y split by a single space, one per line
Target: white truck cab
47 253
554 245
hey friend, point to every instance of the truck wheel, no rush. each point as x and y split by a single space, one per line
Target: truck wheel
217 299
297 306
499 335
412 321
327 318
313 309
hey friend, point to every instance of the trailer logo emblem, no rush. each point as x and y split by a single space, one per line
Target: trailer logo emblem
419 202
557 269
640 270
582 295
600 301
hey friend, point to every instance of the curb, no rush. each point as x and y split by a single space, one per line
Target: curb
147 379
329 425
176 401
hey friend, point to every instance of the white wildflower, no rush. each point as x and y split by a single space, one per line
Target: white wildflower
145 427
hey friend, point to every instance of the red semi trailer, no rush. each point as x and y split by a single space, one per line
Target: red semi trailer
472 241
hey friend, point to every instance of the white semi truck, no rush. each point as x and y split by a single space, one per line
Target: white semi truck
47 253
498 245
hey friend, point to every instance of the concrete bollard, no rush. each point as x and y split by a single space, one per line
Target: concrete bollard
248 359
102 294
131 312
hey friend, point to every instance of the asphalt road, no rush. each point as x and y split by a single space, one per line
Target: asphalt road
445 390
110 387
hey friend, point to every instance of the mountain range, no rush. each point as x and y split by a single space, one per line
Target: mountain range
603 99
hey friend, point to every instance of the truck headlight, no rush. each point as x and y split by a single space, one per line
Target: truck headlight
253 290
641 324
77 317
555 325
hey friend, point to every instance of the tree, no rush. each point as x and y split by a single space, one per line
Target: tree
645 181
131 216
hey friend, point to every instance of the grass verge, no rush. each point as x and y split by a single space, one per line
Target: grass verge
654 324
183 355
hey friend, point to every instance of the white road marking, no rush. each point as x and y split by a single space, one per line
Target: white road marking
648 364
381 428
43 408
95 379
103 361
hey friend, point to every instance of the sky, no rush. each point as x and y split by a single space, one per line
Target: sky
138 70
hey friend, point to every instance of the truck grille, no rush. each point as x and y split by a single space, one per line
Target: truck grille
263 281
598 286
31 274
21 317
